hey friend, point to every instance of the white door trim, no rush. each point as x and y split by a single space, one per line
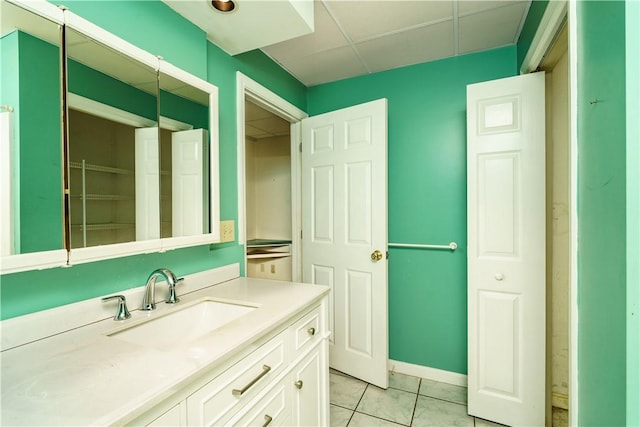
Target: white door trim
550 24
555 14
573 213
270 101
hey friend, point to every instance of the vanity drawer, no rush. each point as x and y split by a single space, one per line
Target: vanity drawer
274 409
218 400
306 331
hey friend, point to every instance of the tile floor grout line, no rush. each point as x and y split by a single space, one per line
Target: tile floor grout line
443 400
383 419
375 416
415 405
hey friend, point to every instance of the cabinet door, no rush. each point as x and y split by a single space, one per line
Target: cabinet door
176 416
274 409
230 392
310 401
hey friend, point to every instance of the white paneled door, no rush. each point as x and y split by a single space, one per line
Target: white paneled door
506 249
344 223
147 184
189 182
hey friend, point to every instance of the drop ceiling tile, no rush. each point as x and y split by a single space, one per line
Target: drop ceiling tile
322 67
366 19
254 112
326 36
253 132
409 47
272 125
490 29
468 7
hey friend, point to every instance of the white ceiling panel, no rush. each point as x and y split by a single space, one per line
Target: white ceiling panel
492 28
327 66
252 24
362 20
408 47
326 36
468 7
260 123
356 37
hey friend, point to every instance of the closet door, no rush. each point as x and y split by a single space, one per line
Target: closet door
190 207
147 184
506 260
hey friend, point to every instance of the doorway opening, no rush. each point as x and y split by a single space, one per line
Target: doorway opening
267 194
558 233
269 208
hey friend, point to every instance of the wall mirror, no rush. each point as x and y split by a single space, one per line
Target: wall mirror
113 142
142 149
184 157
31 131
131 191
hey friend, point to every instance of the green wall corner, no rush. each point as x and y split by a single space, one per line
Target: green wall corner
632 29
601 213
41 208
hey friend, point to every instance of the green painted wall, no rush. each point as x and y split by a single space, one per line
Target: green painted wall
601 213
150 25
31 85
153 26
92 84
427 196
184 110
632 15
531 24
222 73
10 95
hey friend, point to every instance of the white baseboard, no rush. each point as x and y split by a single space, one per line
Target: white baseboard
434 374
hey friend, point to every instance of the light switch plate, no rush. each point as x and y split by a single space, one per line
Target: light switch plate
227 231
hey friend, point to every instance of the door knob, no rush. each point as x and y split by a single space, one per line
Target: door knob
376 255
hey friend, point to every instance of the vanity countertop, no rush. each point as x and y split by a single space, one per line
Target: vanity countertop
85 377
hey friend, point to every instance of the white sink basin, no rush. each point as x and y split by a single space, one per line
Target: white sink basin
182 326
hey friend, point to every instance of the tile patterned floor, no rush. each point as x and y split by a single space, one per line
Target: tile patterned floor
409 401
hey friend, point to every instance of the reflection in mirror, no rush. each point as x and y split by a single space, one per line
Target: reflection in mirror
31 129
113 145
184 158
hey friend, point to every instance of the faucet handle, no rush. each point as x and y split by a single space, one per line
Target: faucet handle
123 312
173 297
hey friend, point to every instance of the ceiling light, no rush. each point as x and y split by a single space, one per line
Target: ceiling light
223 5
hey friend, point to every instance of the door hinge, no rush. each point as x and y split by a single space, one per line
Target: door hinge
300 147
300 234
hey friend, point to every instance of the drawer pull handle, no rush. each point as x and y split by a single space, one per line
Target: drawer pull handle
267 420
311 331
298 384
243 390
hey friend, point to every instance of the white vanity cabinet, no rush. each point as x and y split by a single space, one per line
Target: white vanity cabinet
176 416
282 382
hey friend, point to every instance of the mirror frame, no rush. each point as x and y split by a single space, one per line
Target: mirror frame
45 259
68 256
214 167
97 253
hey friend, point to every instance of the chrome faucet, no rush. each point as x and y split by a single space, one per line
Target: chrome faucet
148 301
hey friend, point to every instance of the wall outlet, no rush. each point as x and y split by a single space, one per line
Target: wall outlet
227 231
